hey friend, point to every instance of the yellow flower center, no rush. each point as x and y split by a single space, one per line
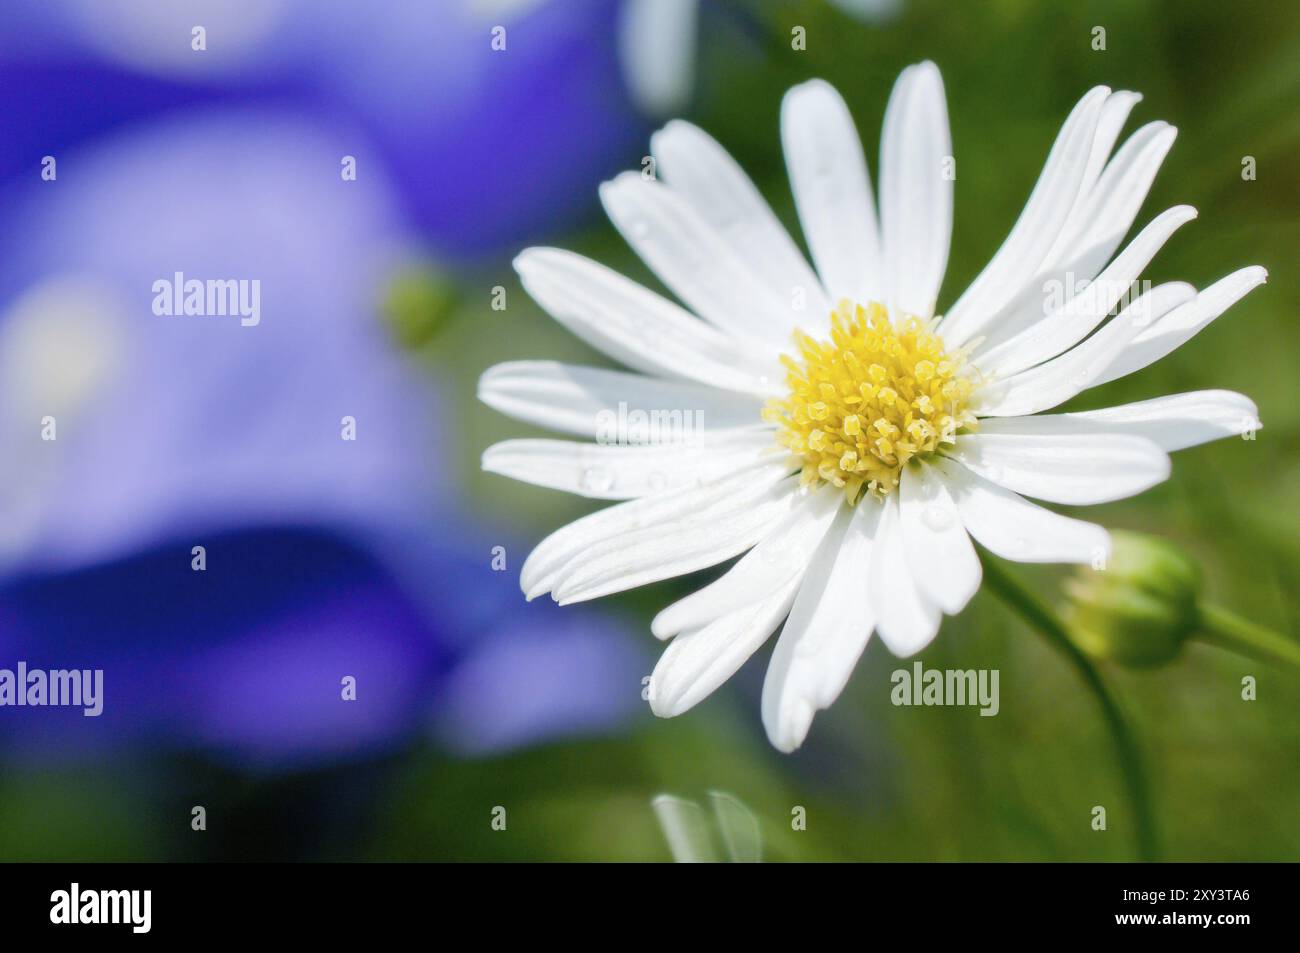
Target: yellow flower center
868 400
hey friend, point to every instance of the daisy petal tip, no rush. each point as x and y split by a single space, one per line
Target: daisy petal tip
610 189
907 642
970 591
663 628
1250 420
567 593
660 138
812 86
663 704
673 129
1163 469
521 260
487 379
925 74
618 192
532 583
792 724
490 461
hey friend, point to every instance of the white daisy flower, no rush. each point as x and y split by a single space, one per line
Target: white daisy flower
843 436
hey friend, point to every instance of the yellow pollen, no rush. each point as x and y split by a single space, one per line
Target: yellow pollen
869 399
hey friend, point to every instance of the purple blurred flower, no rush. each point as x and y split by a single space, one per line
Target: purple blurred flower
197 421
478 141
247 660
490 145
182 430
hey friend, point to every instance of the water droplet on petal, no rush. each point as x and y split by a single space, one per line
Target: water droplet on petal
597 480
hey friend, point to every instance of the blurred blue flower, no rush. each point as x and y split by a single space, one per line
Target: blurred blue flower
179 430
479 141
198 421
247 660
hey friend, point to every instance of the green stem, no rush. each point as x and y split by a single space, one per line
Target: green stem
1039 615
1230 631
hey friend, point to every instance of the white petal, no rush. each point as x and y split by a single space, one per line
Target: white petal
1042 296
626 472
693 542
779 557
943 561
829 625
1072 468
1064 254
1009 526
1075 320
1113 116
1056 381
686 828
697 662
1181 325
1108 213
915 191
638 328
1044 215
742 835
657 52
905 619
695 165
832 191
543 567
693 260
1172 423
612 406
1096 225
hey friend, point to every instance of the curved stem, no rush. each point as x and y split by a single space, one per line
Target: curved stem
1230 631
1041 617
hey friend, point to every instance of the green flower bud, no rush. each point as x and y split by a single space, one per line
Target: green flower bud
1140 608
417 305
